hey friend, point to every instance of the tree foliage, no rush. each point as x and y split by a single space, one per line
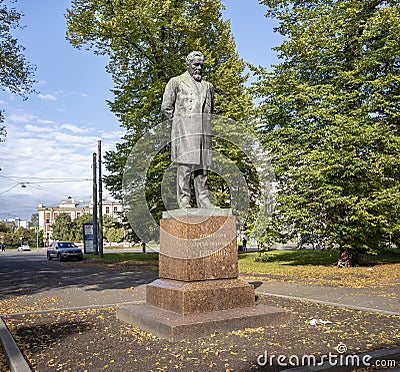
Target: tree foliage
113 230
4 227
147 42
330 112
34 220
77 226
63 227
14 237
16 73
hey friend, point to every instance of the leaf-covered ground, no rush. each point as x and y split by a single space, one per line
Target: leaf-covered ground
236 351
94 340
383 275
3 360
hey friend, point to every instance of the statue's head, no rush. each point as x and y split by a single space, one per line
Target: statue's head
194 64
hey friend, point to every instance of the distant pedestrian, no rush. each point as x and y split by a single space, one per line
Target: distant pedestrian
345 259
244 243
3 247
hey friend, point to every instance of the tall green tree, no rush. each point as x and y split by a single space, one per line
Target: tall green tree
113 230
78 226
330 112
17 236
16 73
63 227
34 220
4 227
147 42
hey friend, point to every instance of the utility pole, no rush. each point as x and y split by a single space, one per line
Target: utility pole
37 237
100 203
95 227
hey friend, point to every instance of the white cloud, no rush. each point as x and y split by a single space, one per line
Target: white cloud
36 129
73 128
26 118
37 152
20 118
115 135
47 152
47 97
44 121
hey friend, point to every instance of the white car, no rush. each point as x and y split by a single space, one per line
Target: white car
24 247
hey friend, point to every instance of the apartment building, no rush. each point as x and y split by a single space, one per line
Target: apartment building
75 208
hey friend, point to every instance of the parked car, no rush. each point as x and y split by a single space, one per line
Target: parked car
64 251
24 247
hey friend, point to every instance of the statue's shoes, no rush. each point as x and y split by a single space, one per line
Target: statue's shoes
184 204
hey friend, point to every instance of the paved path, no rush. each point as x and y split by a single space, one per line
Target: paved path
384 299
30 279
29 276
41 284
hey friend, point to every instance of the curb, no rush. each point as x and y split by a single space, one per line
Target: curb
15 359
329 303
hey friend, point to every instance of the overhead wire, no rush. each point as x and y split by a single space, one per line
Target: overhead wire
11 188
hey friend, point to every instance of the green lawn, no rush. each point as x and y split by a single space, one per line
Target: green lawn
319 267
266 261
306 266
259 261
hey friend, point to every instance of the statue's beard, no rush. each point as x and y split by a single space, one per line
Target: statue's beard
197 76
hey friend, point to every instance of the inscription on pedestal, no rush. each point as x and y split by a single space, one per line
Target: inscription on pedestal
194 248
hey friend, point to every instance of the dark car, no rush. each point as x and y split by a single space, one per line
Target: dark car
64 251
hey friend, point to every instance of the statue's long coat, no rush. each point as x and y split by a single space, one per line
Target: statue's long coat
189 106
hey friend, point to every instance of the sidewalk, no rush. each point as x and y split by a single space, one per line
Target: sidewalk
385 300
372 301
92 339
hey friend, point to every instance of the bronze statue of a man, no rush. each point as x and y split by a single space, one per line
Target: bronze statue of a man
188 102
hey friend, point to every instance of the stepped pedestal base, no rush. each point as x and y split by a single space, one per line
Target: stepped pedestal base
199 297
175 327
198 292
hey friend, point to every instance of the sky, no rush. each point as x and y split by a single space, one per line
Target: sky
51 136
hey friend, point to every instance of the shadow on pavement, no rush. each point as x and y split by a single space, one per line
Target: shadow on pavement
27 273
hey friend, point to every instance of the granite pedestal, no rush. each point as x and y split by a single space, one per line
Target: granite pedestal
198 291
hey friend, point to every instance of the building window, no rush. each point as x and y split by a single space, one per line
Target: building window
107 210
115 209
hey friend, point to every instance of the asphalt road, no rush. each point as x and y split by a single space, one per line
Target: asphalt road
29 278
